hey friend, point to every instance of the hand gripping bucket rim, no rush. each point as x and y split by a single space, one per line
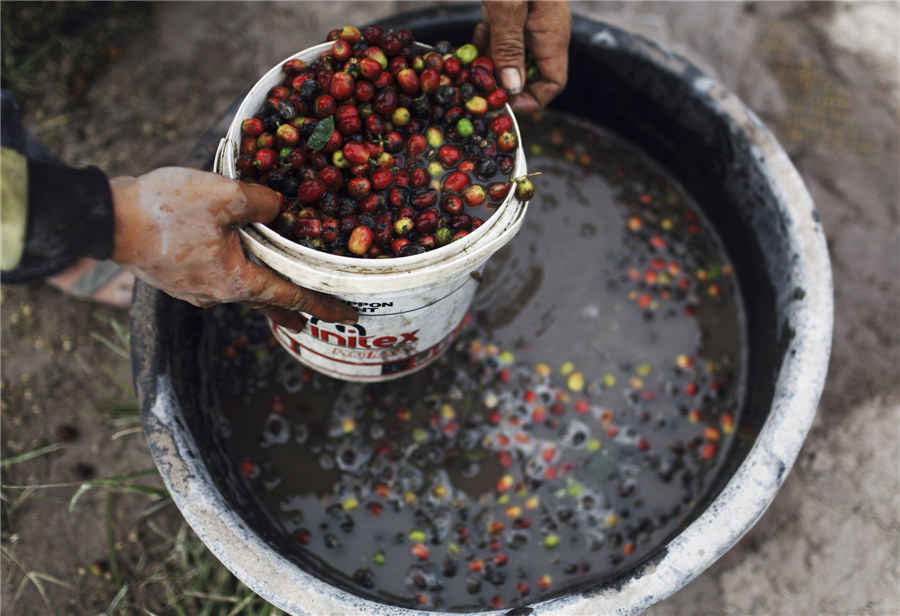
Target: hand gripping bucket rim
439 273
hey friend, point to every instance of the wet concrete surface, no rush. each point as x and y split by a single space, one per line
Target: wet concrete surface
823 76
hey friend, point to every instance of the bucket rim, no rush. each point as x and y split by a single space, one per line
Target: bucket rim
253 233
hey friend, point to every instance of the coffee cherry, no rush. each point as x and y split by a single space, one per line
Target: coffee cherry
455 182
293 67
361 239
342 86
307 228
419 178
265 159
248 145
443 236
391 44
497 99
371 203
485 167
399 195
287 136
400 117
398 244
245 165
497 192
375 125
332 177
403 226
477 105
349 126
325 106
473 195
385 160
416 145
449 156
425 199
370 68
408 80
358 186
434 137
311 191
426 221
464 127
524 190
385 102
467 53
381 179
350 34
429 80
341 50
329 230
461 222
253 127
356 153
334 143
506 141
279 93
482 79
284 223
451 204
265 140
364 91
373 34
375 53
309 89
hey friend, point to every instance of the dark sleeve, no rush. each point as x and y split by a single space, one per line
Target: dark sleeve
70 211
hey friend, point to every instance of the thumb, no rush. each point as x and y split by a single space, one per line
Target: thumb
507 31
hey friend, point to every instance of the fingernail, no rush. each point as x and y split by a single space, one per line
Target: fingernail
511 80
349 321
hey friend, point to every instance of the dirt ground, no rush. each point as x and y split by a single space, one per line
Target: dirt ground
823 76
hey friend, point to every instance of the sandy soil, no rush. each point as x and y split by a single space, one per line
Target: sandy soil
823 76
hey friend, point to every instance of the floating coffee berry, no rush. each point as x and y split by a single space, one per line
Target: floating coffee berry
371 136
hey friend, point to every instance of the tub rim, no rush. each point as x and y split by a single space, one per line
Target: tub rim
744 499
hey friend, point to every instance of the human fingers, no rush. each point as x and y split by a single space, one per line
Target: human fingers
292 321
481 38
547 34
266 288
507 43
262 204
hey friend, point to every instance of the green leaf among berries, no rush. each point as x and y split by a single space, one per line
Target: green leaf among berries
321 134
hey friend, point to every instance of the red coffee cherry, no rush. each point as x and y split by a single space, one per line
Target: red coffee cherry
381 178
311 191
356 153
253 127
456 181
416 145
307 228
265 159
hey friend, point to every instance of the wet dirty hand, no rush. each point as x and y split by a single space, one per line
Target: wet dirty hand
542 28
177 229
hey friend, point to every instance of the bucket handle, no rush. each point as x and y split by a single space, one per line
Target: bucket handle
223 163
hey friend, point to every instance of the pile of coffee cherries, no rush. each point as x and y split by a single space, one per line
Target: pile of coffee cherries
382 147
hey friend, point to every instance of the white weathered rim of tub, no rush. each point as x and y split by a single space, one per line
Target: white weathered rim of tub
732 513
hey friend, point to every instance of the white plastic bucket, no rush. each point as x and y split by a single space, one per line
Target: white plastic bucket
410 308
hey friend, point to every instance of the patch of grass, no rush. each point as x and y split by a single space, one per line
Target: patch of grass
155 565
